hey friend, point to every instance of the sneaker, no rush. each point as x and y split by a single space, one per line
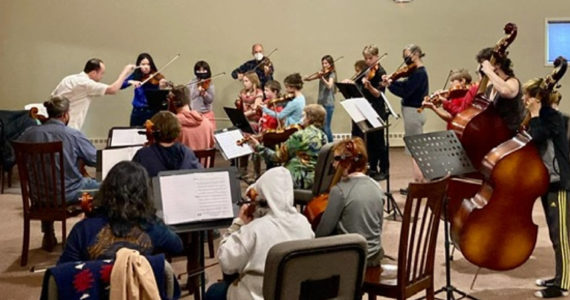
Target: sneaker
545 282
551 292
380 176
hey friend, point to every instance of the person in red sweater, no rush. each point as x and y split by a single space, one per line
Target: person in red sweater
197 131
272 91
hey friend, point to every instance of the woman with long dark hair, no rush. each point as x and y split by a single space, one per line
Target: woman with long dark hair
124 216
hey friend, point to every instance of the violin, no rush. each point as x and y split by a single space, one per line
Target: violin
273 137
284 98
404 71
372 71
205 84
150 132
251 197
451 93
153 78
367 72
86 203
265 61
34 114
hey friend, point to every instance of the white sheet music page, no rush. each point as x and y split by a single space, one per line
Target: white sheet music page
196 196
369 113
227 142
127 137
111 157
350 106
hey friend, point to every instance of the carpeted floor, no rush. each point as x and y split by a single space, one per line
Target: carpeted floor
18 283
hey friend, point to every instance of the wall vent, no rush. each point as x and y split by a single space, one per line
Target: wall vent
396 138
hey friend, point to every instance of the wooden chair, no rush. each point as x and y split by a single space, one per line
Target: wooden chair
207 158
418 239
40 166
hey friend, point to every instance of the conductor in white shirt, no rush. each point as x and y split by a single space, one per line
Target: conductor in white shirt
80 88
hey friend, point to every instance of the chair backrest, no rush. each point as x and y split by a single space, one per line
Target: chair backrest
302 269
40 166
324 170
418 235
206 157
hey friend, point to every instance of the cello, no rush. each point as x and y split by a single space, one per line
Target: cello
494 229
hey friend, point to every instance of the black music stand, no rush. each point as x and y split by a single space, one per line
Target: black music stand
156 99
438 154
238 119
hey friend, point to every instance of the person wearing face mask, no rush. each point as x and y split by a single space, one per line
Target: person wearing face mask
76 147
145 68
263 71
412 90
202 91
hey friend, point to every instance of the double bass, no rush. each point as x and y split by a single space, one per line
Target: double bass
494 228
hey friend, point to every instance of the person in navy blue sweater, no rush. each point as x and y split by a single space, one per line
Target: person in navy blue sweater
264 70
124 216
166 153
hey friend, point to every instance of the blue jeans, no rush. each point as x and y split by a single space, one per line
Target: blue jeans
328 120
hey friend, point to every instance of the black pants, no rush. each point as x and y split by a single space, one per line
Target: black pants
376 148
555 206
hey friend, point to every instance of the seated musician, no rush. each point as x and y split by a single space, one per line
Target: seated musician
124 216
293 110
76 147
197 132
300 151
458 80
356 202
166 153
547 128
244 247
504 90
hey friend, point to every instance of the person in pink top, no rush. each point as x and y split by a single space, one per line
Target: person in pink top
197 131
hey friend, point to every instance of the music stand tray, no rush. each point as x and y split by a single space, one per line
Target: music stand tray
156 99
348 90
438 154
238 119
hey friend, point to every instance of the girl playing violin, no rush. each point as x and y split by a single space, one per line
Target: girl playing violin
412 90
202 91
459 81
327 77
548 130
293 111
369 83
145 68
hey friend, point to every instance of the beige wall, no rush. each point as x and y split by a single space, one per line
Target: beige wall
43 41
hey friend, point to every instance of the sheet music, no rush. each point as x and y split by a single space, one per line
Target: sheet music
352 110
111 157
127 137
389 106
196 196
226 141
369 113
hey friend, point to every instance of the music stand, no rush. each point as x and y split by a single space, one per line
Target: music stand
156 99
438 154
238 119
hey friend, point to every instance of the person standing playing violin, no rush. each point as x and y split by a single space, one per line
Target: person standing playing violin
548 131
263 70
369 85
293 110
146 67
327 78
412 90
202 91
356 202
272 90
458 81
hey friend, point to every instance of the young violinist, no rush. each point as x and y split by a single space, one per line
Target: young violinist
505 89
300 151
202 91
251 97
356 202
368 82
548 130
459 81
243 249
327 78
293 110
146 68
412 90
80 88
272 90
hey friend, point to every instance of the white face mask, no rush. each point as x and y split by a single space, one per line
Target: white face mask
258 56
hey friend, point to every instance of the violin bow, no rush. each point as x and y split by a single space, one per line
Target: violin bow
198 81
161 69
368 69
262 60
334 61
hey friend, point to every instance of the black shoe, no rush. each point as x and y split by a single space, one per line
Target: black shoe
545 282
49 242
404 191
381 176
551 292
